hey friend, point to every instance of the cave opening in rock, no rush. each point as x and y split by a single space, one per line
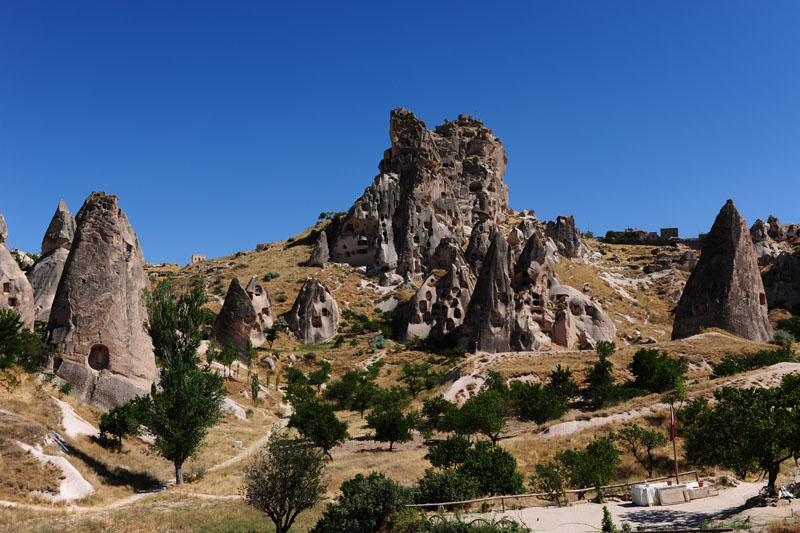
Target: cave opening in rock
98 357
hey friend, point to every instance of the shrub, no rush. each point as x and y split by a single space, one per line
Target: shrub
124 420
446 486
272 274
318 424
364 505
783 338
536 402
65 389
792 325
449 453
592 467
734 364
19 346
494 468
551 479
655 371
378 343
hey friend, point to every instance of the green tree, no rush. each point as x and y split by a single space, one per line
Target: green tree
188 400
389 421
641 442
436 411
655 371
19 346
449 453
320 376
486 411
318 424
550 480
748 430
418 377
285 479
592 467
364 505
255 387
494 468
124 420
227 356
600 381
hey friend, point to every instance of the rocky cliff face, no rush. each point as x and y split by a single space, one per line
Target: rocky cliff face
15 290
96 328
45 274
725 290
432 185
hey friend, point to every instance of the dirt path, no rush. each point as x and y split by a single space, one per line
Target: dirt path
586 516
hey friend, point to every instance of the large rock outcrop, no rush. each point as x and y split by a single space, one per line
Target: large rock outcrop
480 240
314 317
15 290
245 314
566 236
45 274
533 277
96 328
725 289
768 249
432 185
782 282
490 315
320 254
577 312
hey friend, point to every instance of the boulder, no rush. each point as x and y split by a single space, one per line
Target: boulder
490 314
564 331
314 317
431 185
15 290
45 274
245 314
725 289
782 282
96 329
320 255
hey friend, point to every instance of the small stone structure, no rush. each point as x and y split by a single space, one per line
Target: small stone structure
197 258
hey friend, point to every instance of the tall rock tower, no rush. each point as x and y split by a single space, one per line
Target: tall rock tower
725 289
96 329
45 274
15 291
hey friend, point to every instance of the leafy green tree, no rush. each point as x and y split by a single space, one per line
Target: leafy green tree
641 442
19 346
285 479
449 453
320 376
748 430
536 402
255 387
655 371
600 381
487 412
494 468
251 356
592 467
318 424
451 485
418 377
188 399
212 354
550 479
271 335
562 383
389 421
227 356
435 412
364 505
298 388
124 420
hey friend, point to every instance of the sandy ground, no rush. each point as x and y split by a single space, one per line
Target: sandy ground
586 516
73 424
73 486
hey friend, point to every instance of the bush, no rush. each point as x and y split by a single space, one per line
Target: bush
791 325
450 485
551 479
536 402
272 274
65 389
124 420
734 364
19 346
378 343
494 469
783 338
655 371
592 467
364 505
317 423
449 453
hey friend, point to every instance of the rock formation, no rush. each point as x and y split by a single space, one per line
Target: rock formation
431 185
245 314
725 289
566 237
46 272
15 290
782 282
768 249
314 317
96 328
591 323
533 277
439 306
479 242
490 315
320 255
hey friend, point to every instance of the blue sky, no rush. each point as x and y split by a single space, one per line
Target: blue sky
224 124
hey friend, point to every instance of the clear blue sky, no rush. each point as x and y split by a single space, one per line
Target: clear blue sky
224 124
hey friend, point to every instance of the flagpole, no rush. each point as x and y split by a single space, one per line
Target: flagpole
673 436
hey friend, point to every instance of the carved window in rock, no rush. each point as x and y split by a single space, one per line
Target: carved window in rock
316 321
6 287
12 302
98 357
57 364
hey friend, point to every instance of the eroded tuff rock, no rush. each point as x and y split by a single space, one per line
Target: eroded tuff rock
15 290
591 323
782 282
725 289
490 315
439 306
320 255
768 249
566 237
314 317
432 185
96 328
480 240
245 314
45 274
533 278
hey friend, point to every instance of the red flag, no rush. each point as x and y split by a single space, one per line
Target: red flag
673 429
